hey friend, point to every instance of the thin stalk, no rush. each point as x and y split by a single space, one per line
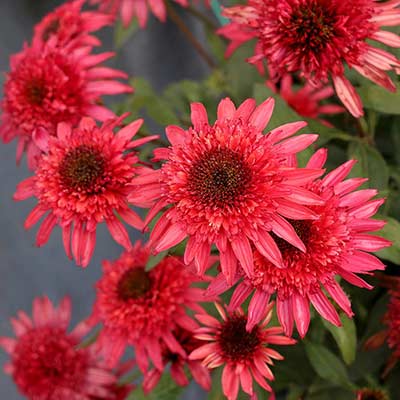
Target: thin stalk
202 17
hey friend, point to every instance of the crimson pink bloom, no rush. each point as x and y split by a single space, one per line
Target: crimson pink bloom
82 179
230 185
128 9
244 354
305 101
144 308
69 25
337 244
316 38
51 85
46 362
178 361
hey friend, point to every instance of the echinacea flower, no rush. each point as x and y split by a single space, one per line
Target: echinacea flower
371 394
337 244
305 101
199 372
317 38
54 84
144 308
245 355
228 184
69 25
128 9
46 362
82 179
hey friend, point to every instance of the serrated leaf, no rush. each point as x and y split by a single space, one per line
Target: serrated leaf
345 337
154 260
390 231
327 365
379 99
371 165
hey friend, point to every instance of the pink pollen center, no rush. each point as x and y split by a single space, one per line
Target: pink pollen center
133 284
237 344
35 92
219 177
51 29
313 26
82 168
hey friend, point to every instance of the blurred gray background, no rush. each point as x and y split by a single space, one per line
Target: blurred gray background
159 53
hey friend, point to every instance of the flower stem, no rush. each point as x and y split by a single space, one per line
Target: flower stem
178 21
202 17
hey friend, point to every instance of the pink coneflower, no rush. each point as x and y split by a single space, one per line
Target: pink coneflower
128 9
305 101
230 185
316 38
337 244
244 354
371 394
178 362
82 179
144 308
45 362
51 85
69 25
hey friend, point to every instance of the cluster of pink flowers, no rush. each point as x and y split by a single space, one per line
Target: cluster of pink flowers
231 191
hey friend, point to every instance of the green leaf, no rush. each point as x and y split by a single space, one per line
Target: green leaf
122 34
327 365
379 99
370 165
345 337
390 231
154 260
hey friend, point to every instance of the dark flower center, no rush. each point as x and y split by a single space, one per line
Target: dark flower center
313 26
81 169
51 29
219 177
303 230
36 92
133 284
373 394
236 343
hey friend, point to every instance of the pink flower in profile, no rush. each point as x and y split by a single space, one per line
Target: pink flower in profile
144 308
83 178
246 355
128 9
228 184
317 38
337 244
50 85
305 101
178 362
46 362
69 25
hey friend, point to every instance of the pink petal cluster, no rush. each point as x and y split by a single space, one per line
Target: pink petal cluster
245 355
178 362
230 185
145 309
82 179
337 244
46 362
305 101
128 9
69 26
317 38
50 85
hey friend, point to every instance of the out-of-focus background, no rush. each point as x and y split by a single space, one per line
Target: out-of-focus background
160 54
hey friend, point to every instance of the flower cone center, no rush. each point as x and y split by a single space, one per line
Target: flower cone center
134 284
36 92
237 343
82 168
219 177
303 230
